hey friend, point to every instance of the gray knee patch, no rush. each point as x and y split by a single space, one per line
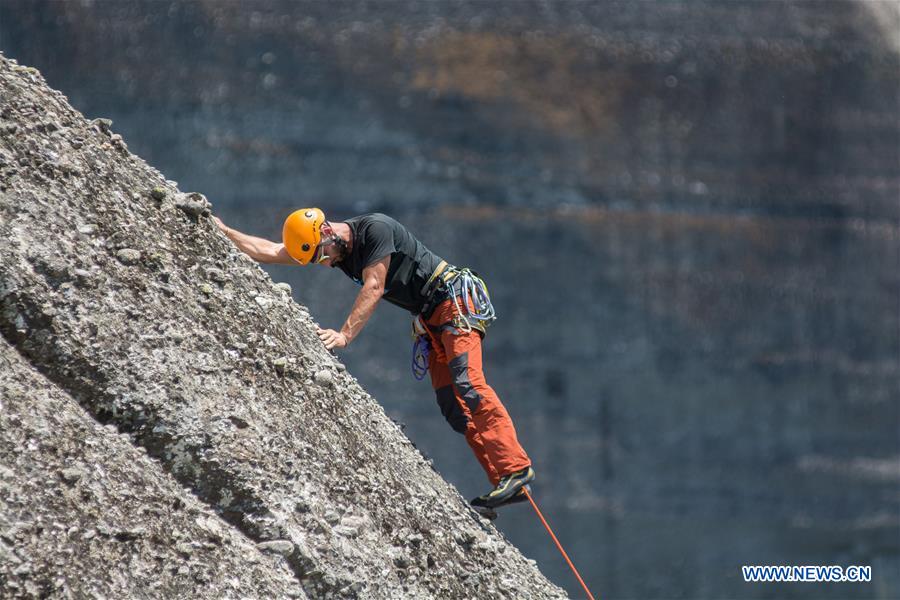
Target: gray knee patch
459 366
446 400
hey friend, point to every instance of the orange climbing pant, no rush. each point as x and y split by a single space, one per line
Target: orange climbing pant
468 403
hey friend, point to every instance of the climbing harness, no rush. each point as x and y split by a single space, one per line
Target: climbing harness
558 545
461 286
433 282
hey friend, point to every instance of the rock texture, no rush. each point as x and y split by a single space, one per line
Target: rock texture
121 292
78 498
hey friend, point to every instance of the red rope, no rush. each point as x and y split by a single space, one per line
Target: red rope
558 545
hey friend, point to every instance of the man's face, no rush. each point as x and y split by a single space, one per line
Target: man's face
327 253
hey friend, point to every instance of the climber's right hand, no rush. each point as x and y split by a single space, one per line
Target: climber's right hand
222 226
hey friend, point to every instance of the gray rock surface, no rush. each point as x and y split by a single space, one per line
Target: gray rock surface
193 353
85 514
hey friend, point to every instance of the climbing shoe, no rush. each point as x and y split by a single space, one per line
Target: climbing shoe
518 496
485 500
481 507
480 501
508 487
514 499
478 504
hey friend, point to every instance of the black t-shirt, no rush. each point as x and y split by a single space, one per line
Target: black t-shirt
376 236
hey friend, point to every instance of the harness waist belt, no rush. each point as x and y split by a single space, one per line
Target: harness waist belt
433 281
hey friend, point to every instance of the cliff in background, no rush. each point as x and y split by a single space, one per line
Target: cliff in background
127 305
528 103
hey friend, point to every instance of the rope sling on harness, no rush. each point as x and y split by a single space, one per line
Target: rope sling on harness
462 285
420 357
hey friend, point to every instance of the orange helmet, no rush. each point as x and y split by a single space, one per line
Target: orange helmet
301 233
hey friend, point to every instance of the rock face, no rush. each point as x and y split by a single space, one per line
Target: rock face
78 498
121 292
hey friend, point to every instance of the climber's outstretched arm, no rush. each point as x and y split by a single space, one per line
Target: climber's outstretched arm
257 248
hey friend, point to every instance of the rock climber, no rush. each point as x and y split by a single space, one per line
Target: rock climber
451 309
